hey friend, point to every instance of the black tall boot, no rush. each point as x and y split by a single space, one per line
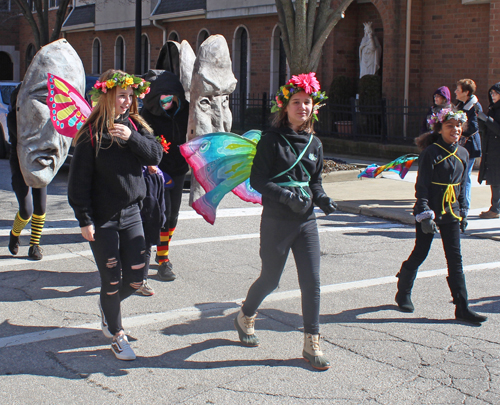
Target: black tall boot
405 284
459 294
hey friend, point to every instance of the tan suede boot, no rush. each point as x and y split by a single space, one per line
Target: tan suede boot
245 327
313 354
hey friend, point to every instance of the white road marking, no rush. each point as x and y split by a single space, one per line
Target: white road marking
193 312
24 261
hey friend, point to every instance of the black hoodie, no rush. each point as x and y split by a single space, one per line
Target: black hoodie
172 124
274 156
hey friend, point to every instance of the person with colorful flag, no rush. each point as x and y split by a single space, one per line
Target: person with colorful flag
441 206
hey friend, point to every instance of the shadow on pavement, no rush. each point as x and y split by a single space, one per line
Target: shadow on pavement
32 285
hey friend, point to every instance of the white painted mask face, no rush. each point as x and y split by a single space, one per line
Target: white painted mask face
40 149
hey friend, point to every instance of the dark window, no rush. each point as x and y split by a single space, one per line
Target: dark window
96 56
243 61
6 67
5 5
30 54
120 54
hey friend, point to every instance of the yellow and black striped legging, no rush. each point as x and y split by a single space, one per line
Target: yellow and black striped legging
37 223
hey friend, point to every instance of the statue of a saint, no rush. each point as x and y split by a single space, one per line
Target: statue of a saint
370 52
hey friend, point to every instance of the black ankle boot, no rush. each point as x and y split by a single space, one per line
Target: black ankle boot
405 284
13 244
459 294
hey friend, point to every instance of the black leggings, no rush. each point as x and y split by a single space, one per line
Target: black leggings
450 236
28 205
173 199
119 245
277 237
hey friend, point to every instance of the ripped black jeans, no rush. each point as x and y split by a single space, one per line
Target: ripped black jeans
119 255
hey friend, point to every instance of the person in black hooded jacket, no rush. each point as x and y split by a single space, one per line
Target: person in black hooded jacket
287 172
166 109
489 168
440 204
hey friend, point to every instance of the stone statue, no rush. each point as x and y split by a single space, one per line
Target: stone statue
212 82
208 80
40 149
370 52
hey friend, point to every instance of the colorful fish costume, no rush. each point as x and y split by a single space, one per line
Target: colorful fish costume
401 165
221 163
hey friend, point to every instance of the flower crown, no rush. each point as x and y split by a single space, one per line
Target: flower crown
139 85
446 114
303 82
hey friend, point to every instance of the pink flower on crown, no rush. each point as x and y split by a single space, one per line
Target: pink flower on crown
308 82
97 84
147 90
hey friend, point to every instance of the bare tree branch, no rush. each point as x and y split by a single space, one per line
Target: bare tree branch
300 31
289 13
60 16
26 10
323 35
324 12
283 28
311 16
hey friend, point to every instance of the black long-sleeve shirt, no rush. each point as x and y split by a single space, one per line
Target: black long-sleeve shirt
274 156
100 186
434 168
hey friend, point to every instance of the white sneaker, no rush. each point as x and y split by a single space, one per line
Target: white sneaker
121 348
104 324
145 289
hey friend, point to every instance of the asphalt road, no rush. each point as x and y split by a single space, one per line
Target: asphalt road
52 350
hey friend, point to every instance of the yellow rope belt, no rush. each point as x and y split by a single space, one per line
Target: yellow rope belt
449 197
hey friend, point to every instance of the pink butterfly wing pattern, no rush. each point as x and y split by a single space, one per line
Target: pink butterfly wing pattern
68 109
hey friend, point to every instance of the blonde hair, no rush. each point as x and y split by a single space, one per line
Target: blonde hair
103 115
280 120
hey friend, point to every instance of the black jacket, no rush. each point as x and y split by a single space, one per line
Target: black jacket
153 207
433 169
172 124
274 156
101 186
489 169
473 142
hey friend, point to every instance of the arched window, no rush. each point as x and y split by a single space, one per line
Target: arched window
202 36
241 60
6 66
120 53
278 62
30 54
96 56
144 54
174 36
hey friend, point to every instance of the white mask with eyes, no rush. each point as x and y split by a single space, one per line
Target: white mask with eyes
40 149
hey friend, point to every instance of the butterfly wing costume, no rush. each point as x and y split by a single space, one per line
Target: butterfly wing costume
221 163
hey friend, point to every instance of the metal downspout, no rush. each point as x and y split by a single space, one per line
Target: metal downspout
407 64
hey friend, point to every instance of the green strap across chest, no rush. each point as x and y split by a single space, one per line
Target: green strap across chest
291 182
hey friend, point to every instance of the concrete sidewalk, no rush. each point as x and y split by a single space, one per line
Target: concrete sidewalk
390 197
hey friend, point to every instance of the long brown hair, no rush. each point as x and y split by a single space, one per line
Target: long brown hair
280 119
102 117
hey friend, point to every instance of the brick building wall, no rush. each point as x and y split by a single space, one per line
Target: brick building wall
449 41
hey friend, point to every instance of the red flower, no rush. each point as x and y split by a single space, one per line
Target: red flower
164 143
308 82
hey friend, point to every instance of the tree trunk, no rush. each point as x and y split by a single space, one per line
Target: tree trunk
41 29
305 29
